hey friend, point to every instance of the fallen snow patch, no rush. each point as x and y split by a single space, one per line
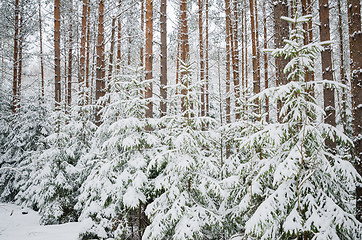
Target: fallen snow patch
14 225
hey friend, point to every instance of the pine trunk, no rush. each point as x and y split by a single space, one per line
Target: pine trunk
149 55
70 57
355 39
15 58
327 68
57 87
100 71
202 60
184 54
41 53
163 60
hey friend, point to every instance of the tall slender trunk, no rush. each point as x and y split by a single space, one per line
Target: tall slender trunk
235 57
342 71
111 54
20 59
228 50
149 56
266 80
163 60
100 70
15 58
281 32
355 39
256 76
327 68
83 37
119 39
70 56
41 53
57 87
202 60
88 94
207 58
184 55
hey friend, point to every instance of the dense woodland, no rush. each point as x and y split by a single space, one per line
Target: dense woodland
184 119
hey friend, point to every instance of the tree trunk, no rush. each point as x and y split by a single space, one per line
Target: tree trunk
235 58
355 39
57 87
266 80
254 38
70 57
119 39
163 60
111 54
15 58
149 56
281 32
83 46
41 53
228 49
202 60
184 54
327 68
100 71
20 58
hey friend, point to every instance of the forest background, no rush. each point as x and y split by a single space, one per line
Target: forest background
184 119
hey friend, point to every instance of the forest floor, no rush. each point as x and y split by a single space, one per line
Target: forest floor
14 225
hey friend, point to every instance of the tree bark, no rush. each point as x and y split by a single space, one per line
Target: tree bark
57 87
281 32
327 68
163 60
70 56
228 55
235 58
100 69
202 60
83 37
254 41
15 58
355 39
41 53
184 55
149 56
266 80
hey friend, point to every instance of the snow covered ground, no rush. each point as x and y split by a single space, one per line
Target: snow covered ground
16 226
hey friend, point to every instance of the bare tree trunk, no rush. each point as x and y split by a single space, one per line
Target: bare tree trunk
83 45
20 58
163 60
329 104
100 70
57 87
15 58
266 80
235 58
207 58
41 53
343 73
202 60
281 32
184 54
70 57
149 55
87 65
355 39
228 50
111 54
254 38
119 40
